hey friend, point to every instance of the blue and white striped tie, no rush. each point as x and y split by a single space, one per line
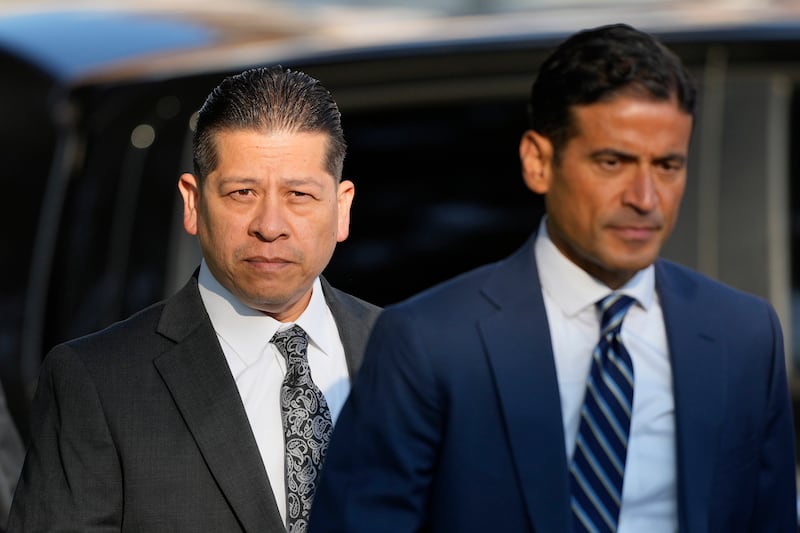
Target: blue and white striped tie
598 463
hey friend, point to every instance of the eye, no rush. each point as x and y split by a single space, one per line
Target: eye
241 195
609 162
671 166
300 196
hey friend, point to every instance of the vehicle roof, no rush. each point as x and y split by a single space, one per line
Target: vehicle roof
70 42
89 42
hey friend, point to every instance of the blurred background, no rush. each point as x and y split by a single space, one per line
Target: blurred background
97 102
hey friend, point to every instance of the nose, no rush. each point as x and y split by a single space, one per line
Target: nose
641 192
268 222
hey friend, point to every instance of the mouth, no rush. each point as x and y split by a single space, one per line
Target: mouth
636 233
268 263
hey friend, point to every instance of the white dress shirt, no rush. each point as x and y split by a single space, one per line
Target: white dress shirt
649 492
258 367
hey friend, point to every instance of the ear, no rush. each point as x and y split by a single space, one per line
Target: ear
536 156
190 192
346 192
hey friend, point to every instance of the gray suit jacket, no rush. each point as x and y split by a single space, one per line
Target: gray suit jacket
140 427
12 452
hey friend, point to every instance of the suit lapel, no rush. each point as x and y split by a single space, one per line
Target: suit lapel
518 346
198 376
354 320
520 354
699 369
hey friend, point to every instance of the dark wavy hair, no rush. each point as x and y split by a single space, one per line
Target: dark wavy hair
597 64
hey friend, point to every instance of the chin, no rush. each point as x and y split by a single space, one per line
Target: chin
637 257
635 265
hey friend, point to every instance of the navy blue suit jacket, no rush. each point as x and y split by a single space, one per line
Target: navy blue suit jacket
454 423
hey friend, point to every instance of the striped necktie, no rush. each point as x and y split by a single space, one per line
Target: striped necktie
306 425
598 463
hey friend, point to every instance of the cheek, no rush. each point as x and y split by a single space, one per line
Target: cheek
580 207
221 229
328 223
671 201
317 230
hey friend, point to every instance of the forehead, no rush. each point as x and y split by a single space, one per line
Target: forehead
633 120
256 155
268 138
254 146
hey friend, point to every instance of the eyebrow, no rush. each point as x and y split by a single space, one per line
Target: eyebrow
288 182
606 152
239 180
307 180
672 156
679 158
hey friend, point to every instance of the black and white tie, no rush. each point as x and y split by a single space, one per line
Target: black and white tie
306 424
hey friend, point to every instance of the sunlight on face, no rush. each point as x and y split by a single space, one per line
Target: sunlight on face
613 198
268 217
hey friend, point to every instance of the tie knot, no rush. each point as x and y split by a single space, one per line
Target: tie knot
292 343
613 308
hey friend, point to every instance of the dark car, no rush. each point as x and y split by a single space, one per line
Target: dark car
97 109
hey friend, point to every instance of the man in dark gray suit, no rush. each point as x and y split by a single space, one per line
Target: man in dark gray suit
12 452
184 416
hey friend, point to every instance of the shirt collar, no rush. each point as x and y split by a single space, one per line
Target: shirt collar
318 322
248 330
572 289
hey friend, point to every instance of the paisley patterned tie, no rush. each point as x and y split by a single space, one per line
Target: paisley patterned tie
306 426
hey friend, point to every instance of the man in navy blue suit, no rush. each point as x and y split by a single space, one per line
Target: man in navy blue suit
472 410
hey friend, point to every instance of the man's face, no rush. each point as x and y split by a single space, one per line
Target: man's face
613 197
268 217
